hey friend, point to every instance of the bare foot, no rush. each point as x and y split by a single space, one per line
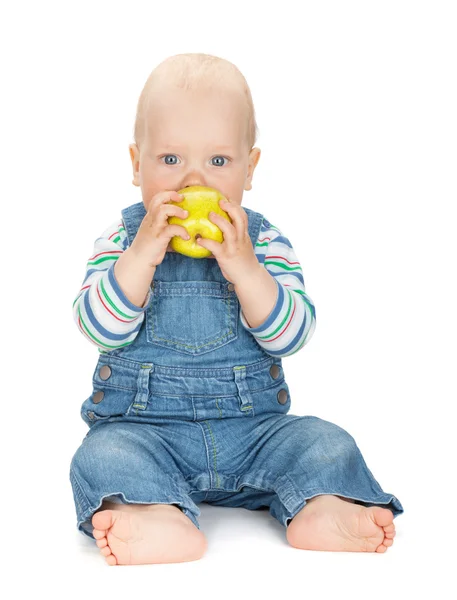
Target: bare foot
132 534
334 524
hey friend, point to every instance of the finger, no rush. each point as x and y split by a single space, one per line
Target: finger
228 230
172 230
164 197
210 245
172 210
238 217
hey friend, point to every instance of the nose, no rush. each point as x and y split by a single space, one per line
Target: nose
193 179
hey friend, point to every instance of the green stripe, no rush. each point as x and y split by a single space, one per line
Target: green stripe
76 299
310 306
102 259
283 266
289 308
302 344
108 299
313 313
96 339
306 300
262 244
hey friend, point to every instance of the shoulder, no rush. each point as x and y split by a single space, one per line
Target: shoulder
115 233
269 233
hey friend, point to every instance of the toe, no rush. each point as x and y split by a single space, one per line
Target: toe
389 528
98 533
102 542
380 549
111 560
103 519
387 543
105 551
383 516
391 535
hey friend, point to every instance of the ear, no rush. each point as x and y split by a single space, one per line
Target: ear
135 157
254 157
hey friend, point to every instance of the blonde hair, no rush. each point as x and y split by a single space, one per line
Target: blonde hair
189 71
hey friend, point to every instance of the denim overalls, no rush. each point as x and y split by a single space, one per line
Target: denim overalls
194 410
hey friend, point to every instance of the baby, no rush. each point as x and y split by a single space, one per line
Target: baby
190 402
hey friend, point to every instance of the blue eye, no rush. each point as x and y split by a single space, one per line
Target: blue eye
218 158
166 156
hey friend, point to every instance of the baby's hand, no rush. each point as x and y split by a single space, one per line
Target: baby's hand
235 255
154 234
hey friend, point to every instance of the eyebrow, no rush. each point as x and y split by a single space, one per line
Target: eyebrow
215 147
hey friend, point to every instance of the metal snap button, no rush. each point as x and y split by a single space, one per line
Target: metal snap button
274 371
231 287
105 373
282 396
90 414
98 397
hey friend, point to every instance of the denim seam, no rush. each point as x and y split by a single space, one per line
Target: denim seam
214 451
114 387
270 387
219 408
208 396
205 443
244 484
321 492
197 372
169 499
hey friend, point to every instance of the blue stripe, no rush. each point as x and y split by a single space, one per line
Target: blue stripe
276 310
120 294
89 272
296 274
102 330
297 337
274 352
261 258
282 240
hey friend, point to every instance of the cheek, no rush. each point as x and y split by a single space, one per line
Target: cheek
153 182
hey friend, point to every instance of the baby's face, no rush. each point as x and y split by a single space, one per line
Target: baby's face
195 138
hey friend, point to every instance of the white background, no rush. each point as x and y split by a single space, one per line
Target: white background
356 106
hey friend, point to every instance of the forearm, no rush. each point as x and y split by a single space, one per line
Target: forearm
134 276
257 295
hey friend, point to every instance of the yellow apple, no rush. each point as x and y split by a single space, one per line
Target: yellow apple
199 201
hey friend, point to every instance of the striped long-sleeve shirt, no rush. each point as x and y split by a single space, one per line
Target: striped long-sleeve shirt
108 319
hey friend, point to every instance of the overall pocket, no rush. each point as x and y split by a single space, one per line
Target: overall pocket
192 317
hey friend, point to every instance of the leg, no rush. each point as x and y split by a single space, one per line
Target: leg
146 534
306 458
130 463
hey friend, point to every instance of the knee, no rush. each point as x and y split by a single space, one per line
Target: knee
332 443
104 447
87 455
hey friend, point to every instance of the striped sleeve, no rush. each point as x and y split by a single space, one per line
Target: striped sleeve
101 310
291 323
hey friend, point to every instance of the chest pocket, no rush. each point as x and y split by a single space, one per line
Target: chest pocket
192 317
